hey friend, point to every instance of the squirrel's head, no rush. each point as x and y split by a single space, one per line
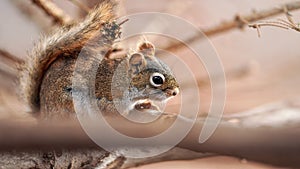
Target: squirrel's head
151 79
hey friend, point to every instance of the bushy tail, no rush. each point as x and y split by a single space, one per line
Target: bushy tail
67 39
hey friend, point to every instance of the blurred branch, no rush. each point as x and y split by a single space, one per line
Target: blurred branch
239 21
256 135
53 11
9 64
14 59
30 11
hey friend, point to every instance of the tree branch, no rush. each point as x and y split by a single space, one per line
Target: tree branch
53 11
265 134
14 59
239 21
9 64
280 23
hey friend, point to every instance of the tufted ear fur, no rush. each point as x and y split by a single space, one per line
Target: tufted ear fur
147 48
137 63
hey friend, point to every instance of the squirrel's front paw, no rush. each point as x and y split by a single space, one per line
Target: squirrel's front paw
142 106
147 106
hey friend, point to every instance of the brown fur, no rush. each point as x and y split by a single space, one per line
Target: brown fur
65 41
47 76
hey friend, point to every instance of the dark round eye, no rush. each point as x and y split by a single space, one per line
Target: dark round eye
157 79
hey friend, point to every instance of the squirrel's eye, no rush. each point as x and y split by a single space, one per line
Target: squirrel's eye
157 79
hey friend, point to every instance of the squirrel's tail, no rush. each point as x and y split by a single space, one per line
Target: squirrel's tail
67 39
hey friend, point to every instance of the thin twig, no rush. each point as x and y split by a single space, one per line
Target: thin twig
258 25
53 11
239 21
286 23
280 23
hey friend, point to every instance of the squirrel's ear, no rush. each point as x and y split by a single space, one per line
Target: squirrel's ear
137 63
147 48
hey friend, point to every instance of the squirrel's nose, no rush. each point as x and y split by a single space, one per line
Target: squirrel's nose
173 92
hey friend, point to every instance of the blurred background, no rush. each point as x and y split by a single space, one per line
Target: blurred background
259 71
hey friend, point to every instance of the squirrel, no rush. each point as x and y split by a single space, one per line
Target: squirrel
46 76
